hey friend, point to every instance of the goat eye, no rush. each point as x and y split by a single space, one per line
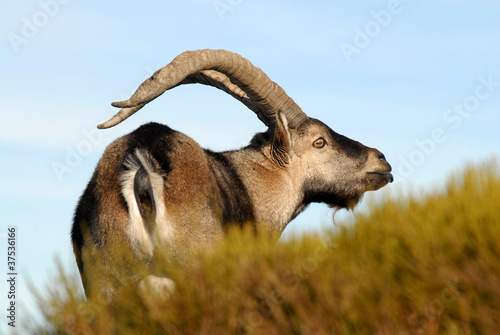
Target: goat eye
319 143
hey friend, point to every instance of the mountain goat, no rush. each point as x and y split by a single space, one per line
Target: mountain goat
156 189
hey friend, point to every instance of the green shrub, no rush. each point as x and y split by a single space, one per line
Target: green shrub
418 265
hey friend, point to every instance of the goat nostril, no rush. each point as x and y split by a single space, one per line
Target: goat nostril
381 157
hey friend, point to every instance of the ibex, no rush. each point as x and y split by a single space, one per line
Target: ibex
157 190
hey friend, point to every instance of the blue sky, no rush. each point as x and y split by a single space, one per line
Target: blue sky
419 80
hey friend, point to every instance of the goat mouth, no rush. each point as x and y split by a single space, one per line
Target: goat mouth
379 179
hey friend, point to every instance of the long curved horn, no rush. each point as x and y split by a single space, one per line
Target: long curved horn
205 77
222 69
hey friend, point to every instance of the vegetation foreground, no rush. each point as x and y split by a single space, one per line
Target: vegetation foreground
419 265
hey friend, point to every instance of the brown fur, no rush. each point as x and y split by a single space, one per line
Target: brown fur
265 184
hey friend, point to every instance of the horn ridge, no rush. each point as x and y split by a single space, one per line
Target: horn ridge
222 69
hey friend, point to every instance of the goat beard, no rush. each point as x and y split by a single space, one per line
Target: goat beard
349 205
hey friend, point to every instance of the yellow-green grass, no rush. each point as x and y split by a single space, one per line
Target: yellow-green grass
414 265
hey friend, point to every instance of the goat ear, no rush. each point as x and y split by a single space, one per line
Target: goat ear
280 148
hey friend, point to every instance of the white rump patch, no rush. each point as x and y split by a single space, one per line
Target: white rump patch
144 236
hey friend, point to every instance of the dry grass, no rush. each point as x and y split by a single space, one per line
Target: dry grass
426 265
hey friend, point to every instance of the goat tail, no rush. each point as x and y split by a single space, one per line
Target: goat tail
142 188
